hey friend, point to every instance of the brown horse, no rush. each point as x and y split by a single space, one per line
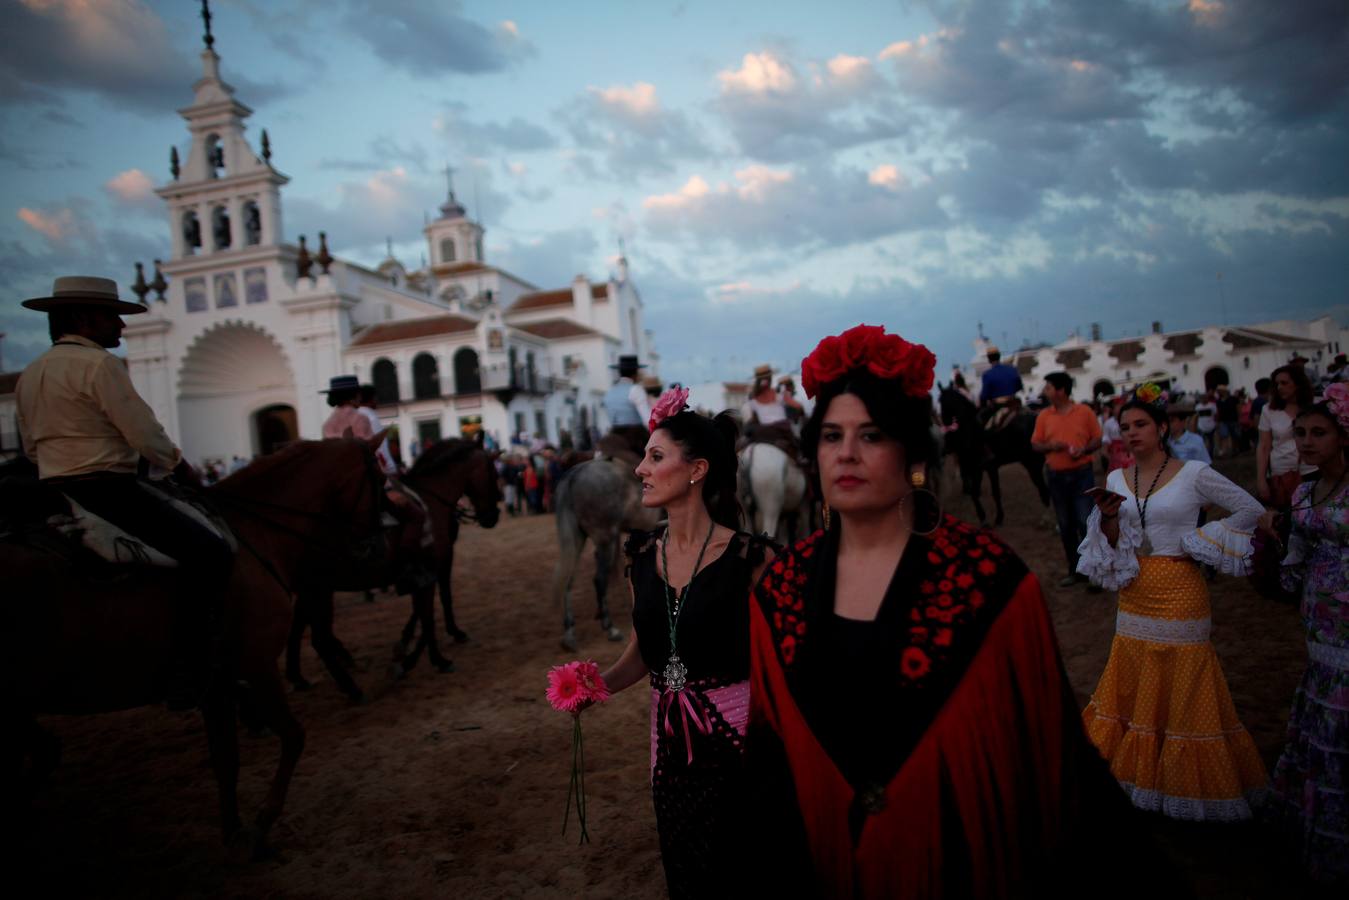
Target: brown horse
443 474
78 641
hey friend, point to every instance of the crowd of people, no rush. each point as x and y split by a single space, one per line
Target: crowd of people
880 709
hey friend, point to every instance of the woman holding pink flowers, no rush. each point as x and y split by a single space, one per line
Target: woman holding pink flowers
912 733
690 583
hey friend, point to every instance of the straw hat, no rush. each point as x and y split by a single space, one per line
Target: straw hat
764 371
87 291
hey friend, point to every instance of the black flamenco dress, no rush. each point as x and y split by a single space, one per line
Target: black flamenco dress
697 734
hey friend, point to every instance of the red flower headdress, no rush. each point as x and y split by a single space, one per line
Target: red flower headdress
868 347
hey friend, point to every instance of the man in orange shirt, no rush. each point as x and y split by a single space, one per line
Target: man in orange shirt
1068 434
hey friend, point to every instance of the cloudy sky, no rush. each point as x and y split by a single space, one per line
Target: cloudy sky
776 172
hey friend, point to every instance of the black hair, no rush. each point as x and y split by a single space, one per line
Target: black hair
1323 409
627 371
1061 380
902 417
995 357
338 398
713 440
1153 412
1301 383
1262 385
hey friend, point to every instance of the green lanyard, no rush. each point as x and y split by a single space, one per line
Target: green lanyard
676 674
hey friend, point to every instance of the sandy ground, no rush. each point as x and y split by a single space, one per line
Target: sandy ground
453 785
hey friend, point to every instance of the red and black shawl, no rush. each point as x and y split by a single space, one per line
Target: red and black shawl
988 770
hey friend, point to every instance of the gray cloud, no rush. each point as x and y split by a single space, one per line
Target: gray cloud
429 39
633 132
787 208
484 138
550 260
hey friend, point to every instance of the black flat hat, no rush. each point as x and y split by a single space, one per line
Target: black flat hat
84 291
342 383
627 362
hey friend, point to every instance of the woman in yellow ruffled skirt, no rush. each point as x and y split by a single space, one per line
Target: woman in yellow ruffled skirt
1162 715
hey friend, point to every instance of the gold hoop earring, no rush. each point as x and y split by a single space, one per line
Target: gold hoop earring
918 481
824 509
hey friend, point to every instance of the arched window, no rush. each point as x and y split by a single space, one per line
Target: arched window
447 250
467 379
1102 388
531 374
191 233
425 377
220 228
1214 377
252 224
215 156
514 361
384 375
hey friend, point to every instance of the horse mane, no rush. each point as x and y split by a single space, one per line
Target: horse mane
448 452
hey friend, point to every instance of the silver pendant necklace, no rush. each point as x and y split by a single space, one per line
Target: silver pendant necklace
676 673
1146 548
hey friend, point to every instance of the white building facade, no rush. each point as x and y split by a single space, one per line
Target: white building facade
243 338
1187 361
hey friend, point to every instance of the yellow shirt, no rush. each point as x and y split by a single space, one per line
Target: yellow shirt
79 413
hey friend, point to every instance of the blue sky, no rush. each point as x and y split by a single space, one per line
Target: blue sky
776 171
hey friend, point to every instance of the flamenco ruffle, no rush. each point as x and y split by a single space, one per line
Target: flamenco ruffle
1219 546
1110 567
1164 720
1312 773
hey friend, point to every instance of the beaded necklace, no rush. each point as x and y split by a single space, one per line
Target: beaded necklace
1146 548
676 673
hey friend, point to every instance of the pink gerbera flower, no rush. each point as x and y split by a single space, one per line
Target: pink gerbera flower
592 685
564 688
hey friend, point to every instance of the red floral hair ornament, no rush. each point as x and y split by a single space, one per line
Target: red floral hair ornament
868 347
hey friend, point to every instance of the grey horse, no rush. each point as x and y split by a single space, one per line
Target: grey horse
598 499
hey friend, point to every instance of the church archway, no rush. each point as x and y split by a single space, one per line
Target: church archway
1215 376
231 374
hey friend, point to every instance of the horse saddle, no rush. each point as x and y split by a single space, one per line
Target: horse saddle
75 525
1004 414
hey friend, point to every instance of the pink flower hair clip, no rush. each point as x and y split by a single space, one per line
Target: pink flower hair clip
671 403
1337 399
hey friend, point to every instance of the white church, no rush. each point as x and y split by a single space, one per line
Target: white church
249 328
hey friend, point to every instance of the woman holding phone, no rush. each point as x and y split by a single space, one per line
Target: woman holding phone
1161 714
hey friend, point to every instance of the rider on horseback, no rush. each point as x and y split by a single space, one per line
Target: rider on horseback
629 408
767 415
350 419
88 430
999 397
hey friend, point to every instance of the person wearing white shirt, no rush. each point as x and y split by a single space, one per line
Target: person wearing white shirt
1162 715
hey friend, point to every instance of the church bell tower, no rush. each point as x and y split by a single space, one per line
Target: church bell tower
224 197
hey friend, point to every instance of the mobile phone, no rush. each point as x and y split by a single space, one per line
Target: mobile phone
1100 493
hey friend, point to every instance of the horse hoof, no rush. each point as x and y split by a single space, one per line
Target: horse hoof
445 666
614 634
569 643
460 636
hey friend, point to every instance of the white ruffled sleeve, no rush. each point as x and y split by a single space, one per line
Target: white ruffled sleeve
1110 567
1226 543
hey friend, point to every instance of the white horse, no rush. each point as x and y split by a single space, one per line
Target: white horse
776 488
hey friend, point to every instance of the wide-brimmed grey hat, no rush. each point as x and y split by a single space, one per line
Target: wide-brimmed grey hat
84 291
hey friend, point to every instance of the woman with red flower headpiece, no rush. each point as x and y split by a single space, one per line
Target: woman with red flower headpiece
912 732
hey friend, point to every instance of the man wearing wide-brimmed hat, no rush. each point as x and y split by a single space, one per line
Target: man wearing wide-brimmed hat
87 430
629 409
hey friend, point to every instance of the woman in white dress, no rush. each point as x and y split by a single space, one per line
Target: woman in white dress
1162 715
1278 471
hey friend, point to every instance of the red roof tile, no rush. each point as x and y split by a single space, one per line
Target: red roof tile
542 299
599 291
464 267
409 329
553 329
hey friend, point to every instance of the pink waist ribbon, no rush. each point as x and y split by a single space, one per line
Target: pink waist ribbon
731 701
